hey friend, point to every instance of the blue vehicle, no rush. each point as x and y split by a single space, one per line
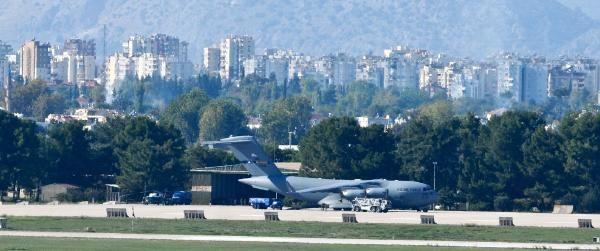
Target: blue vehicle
181 198
264 203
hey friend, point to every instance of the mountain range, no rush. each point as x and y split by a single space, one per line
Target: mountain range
466 28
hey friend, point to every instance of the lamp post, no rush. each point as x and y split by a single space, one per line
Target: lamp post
434 171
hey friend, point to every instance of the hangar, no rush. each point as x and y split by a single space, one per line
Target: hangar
219 185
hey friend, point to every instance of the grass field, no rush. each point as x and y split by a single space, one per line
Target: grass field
305 229
60 244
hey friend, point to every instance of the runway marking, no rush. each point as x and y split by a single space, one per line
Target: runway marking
222 238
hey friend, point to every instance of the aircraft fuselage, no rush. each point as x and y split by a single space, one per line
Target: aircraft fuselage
403 194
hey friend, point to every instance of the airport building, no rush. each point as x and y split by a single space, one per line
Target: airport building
220 186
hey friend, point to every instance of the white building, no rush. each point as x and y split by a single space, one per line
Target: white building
510 78
118 67
73 69
255 66
234 50
370 69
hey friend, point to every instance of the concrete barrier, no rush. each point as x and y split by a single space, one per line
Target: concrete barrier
271 216
506 222
585 223
116 212
194 214
349 218
3 222
427 219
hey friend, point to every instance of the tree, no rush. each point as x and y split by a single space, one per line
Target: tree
504 139
47 104
70 155
476 180
150 157
35 99
339 148
438 111
425 140
184 113
543 164
98 94
220 119
19 154
581 133
211 85
103 138
288 115
327 150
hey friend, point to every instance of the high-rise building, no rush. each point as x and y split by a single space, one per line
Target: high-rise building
80 47
370 69
35 61
212 59
278 67
255 66
234 50
77 62
158 55
510 78
402 67
535 80
344 70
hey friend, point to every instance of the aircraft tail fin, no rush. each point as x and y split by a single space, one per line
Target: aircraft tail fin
247 150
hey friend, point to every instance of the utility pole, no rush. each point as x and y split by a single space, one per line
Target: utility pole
434 171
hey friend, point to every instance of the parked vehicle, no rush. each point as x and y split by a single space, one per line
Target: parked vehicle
264 203
372 204
154 198
181 198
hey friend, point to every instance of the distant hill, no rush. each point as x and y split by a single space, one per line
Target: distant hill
474 28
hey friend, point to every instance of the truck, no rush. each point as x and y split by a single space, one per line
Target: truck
154 198
377 205
264 203
181 198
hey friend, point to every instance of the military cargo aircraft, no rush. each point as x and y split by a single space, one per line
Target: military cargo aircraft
331 193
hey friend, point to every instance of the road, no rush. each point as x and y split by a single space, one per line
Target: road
247 213
470 244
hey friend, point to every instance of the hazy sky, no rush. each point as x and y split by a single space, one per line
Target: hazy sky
589 7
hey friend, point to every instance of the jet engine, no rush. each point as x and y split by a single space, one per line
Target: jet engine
376 192
353 193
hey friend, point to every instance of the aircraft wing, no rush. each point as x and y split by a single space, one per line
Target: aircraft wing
337 186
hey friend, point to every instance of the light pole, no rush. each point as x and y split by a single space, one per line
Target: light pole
434 171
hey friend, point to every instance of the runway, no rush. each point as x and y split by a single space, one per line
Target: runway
219 238
247 213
